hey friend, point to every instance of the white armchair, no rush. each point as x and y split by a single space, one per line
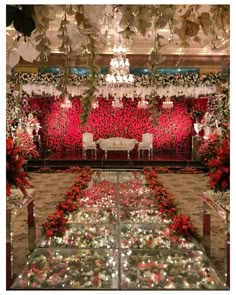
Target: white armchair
146 144
88 144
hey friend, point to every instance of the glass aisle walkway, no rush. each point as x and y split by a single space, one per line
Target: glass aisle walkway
118 239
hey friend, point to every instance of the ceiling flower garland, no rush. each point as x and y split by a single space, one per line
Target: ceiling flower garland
185 22
89 87
191 79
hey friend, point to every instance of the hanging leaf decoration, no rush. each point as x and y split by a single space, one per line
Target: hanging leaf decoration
22 18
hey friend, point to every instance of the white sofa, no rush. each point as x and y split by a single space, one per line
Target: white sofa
117 144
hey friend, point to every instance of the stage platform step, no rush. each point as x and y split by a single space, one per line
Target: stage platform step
116 160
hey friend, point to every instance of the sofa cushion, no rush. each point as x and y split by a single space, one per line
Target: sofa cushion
117 141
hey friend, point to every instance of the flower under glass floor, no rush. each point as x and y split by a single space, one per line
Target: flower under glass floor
118 239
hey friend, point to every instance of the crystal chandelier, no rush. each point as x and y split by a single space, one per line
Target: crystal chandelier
95 104
119 67
117 103
142 104
167 104
66 103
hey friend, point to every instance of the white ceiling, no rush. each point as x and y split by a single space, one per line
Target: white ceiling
139 44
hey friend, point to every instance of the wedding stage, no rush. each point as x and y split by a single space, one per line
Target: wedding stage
115 159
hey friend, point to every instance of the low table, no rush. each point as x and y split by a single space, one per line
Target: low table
117 144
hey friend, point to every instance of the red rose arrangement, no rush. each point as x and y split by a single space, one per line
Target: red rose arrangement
56 223
15 174
28 149
209 148
182 225
220 168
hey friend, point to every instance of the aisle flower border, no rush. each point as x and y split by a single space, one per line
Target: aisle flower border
56 223
181 224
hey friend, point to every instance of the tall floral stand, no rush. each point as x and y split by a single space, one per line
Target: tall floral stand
196 143
16 202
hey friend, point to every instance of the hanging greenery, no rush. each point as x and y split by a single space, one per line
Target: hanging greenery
185 23
91 82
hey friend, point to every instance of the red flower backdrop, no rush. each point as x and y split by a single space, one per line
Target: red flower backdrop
63 131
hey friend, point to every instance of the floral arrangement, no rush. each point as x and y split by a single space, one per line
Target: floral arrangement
15 174
102 194
212 104
28 149
168 270
94 215
224 110
31 120
196 113
56 224
152 237
166 205
24 103
182 225
163 170
128 215
45 170
84 236
71 170
67 206
188 170
160 261
209 149
82 269
12 110
220 168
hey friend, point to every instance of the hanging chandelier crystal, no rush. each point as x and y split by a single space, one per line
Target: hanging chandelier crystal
167 104
117 103
119 67
66 103
95 105
142 104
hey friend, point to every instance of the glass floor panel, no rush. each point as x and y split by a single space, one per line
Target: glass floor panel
118 239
